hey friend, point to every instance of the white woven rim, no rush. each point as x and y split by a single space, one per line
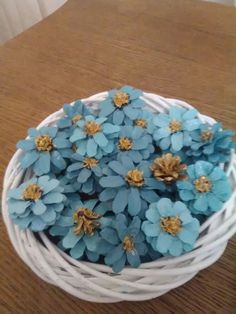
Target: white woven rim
97 283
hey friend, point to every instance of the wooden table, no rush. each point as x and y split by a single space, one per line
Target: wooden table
183 49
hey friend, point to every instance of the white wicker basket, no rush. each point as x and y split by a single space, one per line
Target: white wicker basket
97 283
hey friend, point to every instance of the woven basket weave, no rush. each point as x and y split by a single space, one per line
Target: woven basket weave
97 283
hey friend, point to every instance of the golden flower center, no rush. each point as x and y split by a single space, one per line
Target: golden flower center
121 99
171 225
175 126
76 118
206 135
86 221
92 127
168 168
203 184
125 143
33 192
135 177
128 244
90 162
44 143
141 122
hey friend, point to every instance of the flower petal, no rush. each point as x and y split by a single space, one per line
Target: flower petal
84 175
100 139
71 239
150 229
38 207
164 242
133 258
57 160
61 143
120 201
91 147
176 248
134 202
78 250
118 116
53 197
114 254
177 141
26 145
110 235
111 181
29 158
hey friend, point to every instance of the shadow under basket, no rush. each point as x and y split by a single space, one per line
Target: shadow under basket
96 282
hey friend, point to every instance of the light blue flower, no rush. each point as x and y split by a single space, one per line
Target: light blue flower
129 186
170 228
36 204
135 143
45 150
122 243
86 170
144 120
211 143
122 103
78 226
73 113
206 189
174 127
94 137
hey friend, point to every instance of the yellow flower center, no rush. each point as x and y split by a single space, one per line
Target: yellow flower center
44 143
76 118
32 193
206 135
90 162
171 225
203 184
125 143
86 221
141 122
128 244
175 126
121 99
92 127
135 177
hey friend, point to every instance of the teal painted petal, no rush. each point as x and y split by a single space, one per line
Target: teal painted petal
114 255
100 120
141 143
84 175
107 108
162 120
92 256
176 248
107 194
134 202
203 168
109 128
38 207
152 214
161 133
191 125
164 242
141 248
91 147
120 201
150 229
118 116
117 167
186 195
58 231
77 251
132 113
165 143
179 207
42 165
149 196
57 160
15 193
176 112
214 203
26 145
187 236
64 221
109 148
75 166
134 227
51 131
100 139
91 242
136 156
49 216
110 235
23 223
90 203
154 184
186 218
164 205
17 207
136 132
201 203
190 114
133 259
216 174
177 141
71 239
127 162
33 132
119 264
78 134
185 185
112 181
53 197
61 143
133 92
37 224
48 186
29 158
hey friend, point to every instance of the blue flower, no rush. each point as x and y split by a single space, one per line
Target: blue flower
206 189
94 137
135 143
86 170
144 120
36 204
129 185
122 103
45 150
174 127
78 228
122 242
211 143
170 228
73 113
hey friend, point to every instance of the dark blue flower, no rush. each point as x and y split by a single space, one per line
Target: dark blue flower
36 204
122 103
206 189
45 150
122 243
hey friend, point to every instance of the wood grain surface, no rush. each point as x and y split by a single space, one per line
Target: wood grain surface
182 49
